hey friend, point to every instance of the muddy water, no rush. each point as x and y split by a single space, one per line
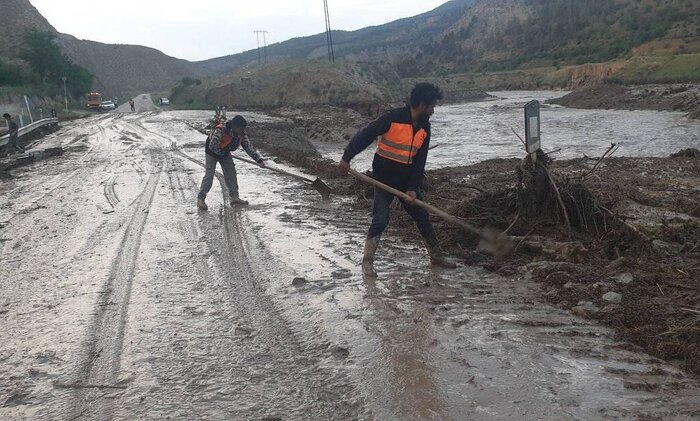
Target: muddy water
121 301
423 343
473 132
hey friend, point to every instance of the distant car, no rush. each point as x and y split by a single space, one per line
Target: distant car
164 101
108 105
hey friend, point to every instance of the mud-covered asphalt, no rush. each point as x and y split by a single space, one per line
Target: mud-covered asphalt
119 300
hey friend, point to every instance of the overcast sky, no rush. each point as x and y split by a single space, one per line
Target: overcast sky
202 29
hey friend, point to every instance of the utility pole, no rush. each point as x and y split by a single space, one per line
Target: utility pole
329 36
65 93
264 47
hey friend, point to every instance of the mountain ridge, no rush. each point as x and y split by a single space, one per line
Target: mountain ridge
460 36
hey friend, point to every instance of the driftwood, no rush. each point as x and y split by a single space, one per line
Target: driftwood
569 251
561 202
611 150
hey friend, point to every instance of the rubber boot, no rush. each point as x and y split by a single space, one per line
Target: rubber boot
202 205
368 258
235 200
437 257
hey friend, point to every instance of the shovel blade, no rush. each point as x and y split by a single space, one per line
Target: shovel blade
322 188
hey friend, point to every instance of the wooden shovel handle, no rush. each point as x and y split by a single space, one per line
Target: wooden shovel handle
281 171
431 209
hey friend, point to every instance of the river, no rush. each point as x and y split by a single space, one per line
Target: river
468 133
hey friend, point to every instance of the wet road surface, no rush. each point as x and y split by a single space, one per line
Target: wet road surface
121 301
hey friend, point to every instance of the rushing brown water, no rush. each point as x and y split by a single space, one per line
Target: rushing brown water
476 131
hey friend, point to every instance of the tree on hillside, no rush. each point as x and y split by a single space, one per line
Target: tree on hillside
12 74
50 64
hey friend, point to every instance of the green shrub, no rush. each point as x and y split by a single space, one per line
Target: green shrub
50 64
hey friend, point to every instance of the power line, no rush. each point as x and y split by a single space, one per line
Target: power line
329 36
263 50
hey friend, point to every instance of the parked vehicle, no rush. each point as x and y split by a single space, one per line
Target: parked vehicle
108 106
164 101
94 101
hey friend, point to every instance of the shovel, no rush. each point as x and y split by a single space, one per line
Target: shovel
497 244
317 184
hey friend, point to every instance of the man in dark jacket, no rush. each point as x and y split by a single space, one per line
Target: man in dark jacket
13 142
224 139
402 149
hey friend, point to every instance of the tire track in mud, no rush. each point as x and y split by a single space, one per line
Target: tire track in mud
110 193
296 354
100 364
72 182
293 357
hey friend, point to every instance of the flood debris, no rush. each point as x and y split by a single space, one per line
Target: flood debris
29 158
612 297
687 153
299 282
634 219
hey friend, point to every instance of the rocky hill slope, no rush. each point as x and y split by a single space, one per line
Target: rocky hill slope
385 42
16 18
497 35
118 69
477 37
127 69
362 86
507 34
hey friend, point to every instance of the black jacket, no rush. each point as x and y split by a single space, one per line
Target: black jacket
400 176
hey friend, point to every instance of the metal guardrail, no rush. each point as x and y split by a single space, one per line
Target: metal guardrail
28 129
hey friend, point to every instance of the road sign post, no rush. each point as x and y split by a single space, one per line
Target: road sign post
532 128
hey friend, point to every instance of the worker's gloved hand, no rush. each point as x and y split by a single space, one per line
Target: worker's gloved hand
344 166
411 197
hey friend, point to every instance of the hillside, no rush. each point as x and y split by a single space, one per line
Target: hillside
17 18
119 70
486 44
383 41
355 85
127 69
499 35
510 34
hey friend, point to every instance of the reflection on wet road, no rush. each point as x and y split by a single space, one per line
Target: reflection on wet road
121 301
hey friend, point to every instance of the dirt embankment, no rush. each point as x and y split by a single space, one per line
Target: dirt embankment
629 255
678 97
328 124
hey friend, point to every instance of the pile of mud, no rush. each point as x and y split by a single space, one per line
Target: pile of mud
631 258
678 97
627 252
281 138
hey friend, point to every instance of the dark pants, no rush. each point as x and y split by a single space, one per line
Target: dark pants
381 214
230 177
13 142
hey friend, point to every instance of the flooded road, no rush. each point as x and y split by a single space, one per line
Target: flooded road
121 301
476 131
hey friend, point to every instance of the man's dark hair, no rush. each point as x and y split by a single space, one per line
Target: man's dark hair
425 93
237 121
6 115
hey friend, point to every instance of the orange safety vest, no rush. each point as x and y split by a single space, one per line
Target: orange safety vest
226 139
400 144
